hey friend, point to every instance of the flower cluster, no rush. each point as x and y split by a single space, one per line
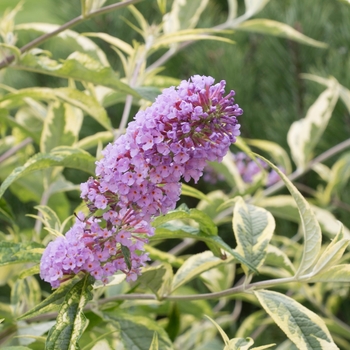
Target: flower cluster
139 178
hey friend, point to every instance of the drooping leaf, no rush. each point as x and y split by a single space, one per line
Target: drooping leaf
14 253
71 321
253 228
310 226
60 156
268 26
193 267
305 133
137 332
303 327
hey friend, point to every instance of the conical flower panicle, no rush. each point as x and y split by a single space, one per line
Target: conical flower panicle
139 177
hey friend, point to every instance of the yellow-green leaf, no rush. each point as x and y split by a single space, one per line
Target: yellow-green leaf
305 133
303 327
310 226
253 228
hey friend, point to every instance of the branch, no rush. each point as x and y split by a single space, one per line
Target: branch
14 149
7 60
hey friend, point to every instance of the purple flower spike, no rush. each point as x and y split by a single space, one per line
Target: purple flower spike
139 178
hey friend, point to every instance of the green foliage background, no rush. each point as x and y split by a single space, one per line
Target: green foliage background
265 71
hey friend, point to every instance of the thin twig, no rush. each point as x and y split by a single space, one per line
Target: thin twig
15 149
9 59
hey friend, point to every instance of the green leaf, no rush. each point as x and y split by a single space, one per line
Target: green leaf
126 255
158 279
54 301
333 253
253 228
61 127
60 156
77 66
305 133
14 253
93 140
344 92
137 332
306 329
189 35
118 43
157 254
86 103
239 344
339 177
337 273
220 278
268 26
155 344
193 267
190 191
71 321
184 14
310 226
49 217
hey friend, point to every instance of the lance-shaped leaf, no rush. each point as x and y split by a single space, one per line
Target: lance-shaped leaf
193 192
332 253
305 133
268 26
337 273
15 253
303 327
253 228
310 226
194 266
60 156
136 332
71 321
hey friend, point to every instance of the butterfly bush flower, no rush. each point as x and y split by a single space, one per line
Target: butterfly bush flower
139 176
